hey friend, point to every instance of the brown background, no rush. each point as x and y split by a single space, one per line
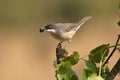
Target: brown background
26 54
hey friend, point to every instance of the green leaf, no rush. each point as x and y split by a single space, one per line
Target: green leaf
84 76
95 77
74 77
69 75
90 68
71 60
104 72
99 53
90 71
64 70
75 58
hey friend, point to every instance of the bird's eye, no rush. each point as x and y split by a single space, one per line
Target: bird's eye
48 27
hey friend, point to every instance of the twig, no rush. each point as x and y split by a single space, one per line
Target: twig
60 52
114 71
113 46
114 49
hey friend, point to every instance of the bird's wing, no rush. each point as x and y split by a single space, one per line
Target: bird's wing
66 27
81 22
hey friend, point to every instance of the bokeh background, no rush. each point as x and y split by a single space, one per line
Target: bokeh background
26 54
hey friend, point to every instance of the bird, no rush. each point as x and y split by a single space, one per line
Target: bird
64 31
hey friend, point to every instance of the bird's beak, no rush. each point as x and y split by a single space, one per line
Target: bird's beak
42 29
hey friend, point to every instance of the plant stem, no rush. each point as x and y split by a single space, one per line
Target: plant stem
113 46
114 49
101 62
100 67
115 70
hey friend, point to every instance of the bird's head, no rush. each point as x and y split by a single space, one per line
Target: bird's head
48 28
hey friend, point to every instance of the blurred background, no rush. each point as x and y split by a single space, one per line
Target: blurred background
26 54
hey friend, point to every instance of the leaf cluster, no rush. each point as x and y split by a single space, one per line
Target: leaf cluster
96 57
64 70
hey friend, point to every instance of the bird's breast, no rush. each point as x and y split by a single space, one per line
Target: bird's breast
63 36
58 37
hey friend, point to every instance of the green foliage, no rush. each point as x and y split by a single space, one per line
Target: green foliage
90 67
64 70
90 71
94 77
73 59
93 68
99 53
96 57
104 72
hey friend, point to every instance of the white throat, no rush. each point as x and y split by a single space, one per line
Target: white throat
51 30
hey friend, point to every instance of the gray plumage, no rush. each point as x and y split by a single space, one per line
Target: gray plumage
64 31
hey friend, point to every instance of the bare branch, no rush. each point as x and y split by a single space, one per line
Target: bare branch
114 71
114 49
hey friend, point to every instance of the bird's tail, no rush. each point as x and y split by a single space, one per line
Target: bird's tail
81 22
